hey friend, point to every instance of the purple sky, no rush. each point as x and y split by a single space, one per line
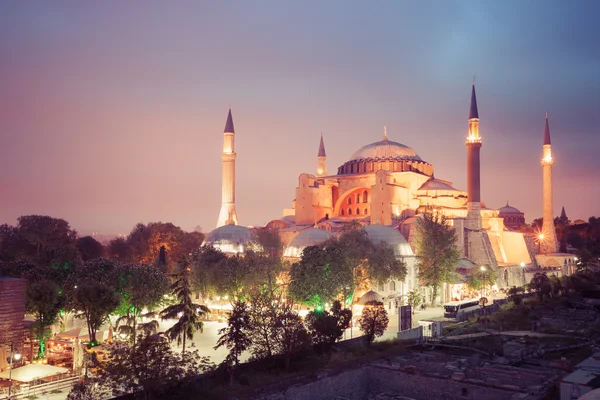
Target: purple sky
112 113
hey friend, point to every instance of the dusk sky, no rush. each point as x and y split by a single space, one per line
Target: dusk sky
112 112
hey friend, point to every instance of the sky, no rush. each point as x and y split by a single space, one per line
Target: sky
112 113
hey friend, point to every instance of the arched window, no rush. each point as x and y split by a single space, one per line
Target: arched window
393 286
381 287
349 211
366 211
357 211
365 197
357 198
342 211
349 200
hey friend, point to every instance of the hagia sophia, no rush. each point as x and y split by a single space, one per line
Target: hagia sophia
384 186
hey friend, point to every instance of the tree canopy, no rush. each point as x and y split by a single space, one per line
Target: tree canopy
436 249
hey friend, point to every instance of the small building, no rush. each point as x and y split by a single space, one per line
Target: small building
12 312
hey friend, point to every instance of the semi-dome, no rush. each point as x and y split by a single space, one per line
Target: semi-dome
369 297
385 150
436 184
231 239
389 235
304 239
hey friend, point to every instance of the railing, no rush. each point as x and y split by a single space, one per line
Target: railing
23 391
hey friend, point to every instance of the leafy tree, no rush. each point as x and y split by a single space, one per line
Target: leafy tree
327 328
414 300
383 265
436 249
292 336
540 284
318 278
514 293
235 336
141 286
45 302
150 366
45 233
556 286
13 247
206 264
265 311
89 248
189 314
373 320
95 301
90 390
119 249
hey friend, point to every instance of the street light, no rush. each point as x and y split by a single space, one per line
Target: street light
540 238
482 268
16 357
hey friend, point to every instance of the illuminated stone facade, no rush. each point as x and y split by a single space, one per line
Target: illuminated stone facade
548 241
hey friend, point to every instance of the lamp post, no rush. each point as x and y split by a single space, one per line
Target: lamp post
482 268
13 357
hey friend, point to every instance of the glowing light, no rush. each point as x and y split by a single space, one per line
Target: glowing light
541 236
225 297
522 263
482 268
17 356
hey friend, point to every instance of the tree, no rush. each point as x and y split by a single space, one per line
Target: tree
119 249
373 320
292 336
206 263
45 302
414 300
141 286
95 301
235 336
189 314
382 264
436 249
89 248
45 233
327 328
540 284
514 293
150 366
90 390
318 278
264 319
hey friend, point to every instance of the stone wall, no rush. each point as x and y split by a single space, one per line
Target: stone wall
12 311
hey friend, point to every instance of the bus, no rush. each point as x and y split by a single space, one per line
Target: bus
455 309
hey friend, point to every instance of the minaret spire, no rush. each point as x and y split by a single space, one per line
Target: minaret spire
473 165
321 159
548 241
385 136
228 215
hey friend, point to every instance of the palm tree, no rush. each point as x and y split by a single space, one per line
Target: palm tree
189 314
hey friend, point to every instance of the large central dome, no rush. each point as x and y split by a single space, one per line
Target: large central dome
385 150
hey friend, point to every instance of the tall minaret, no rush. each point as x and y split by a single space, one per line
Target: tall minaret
228 216
548 242
473 143
321 159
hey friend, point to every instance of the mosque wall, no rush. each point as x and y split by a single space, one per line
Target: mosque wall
516 248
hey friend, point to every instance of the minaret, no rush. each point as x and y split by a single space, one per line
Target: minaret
473 143
321 159
228 216
548 242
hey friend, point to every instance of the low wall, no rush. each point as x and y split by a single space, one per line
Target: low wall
411 334
367 382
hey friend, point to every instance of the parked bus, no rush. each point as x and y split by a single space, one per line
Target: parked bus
455 309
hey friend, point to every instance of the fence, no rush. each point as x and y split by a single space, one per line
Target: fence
41 389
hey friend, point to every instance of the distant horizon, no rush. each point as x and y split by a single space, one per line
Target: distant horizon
112 114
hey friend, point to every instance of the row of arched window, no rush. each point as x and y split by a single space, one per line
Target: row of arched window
364 196
349 211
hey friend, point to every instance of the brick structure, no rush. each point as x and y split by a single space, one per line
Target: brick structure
12 311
